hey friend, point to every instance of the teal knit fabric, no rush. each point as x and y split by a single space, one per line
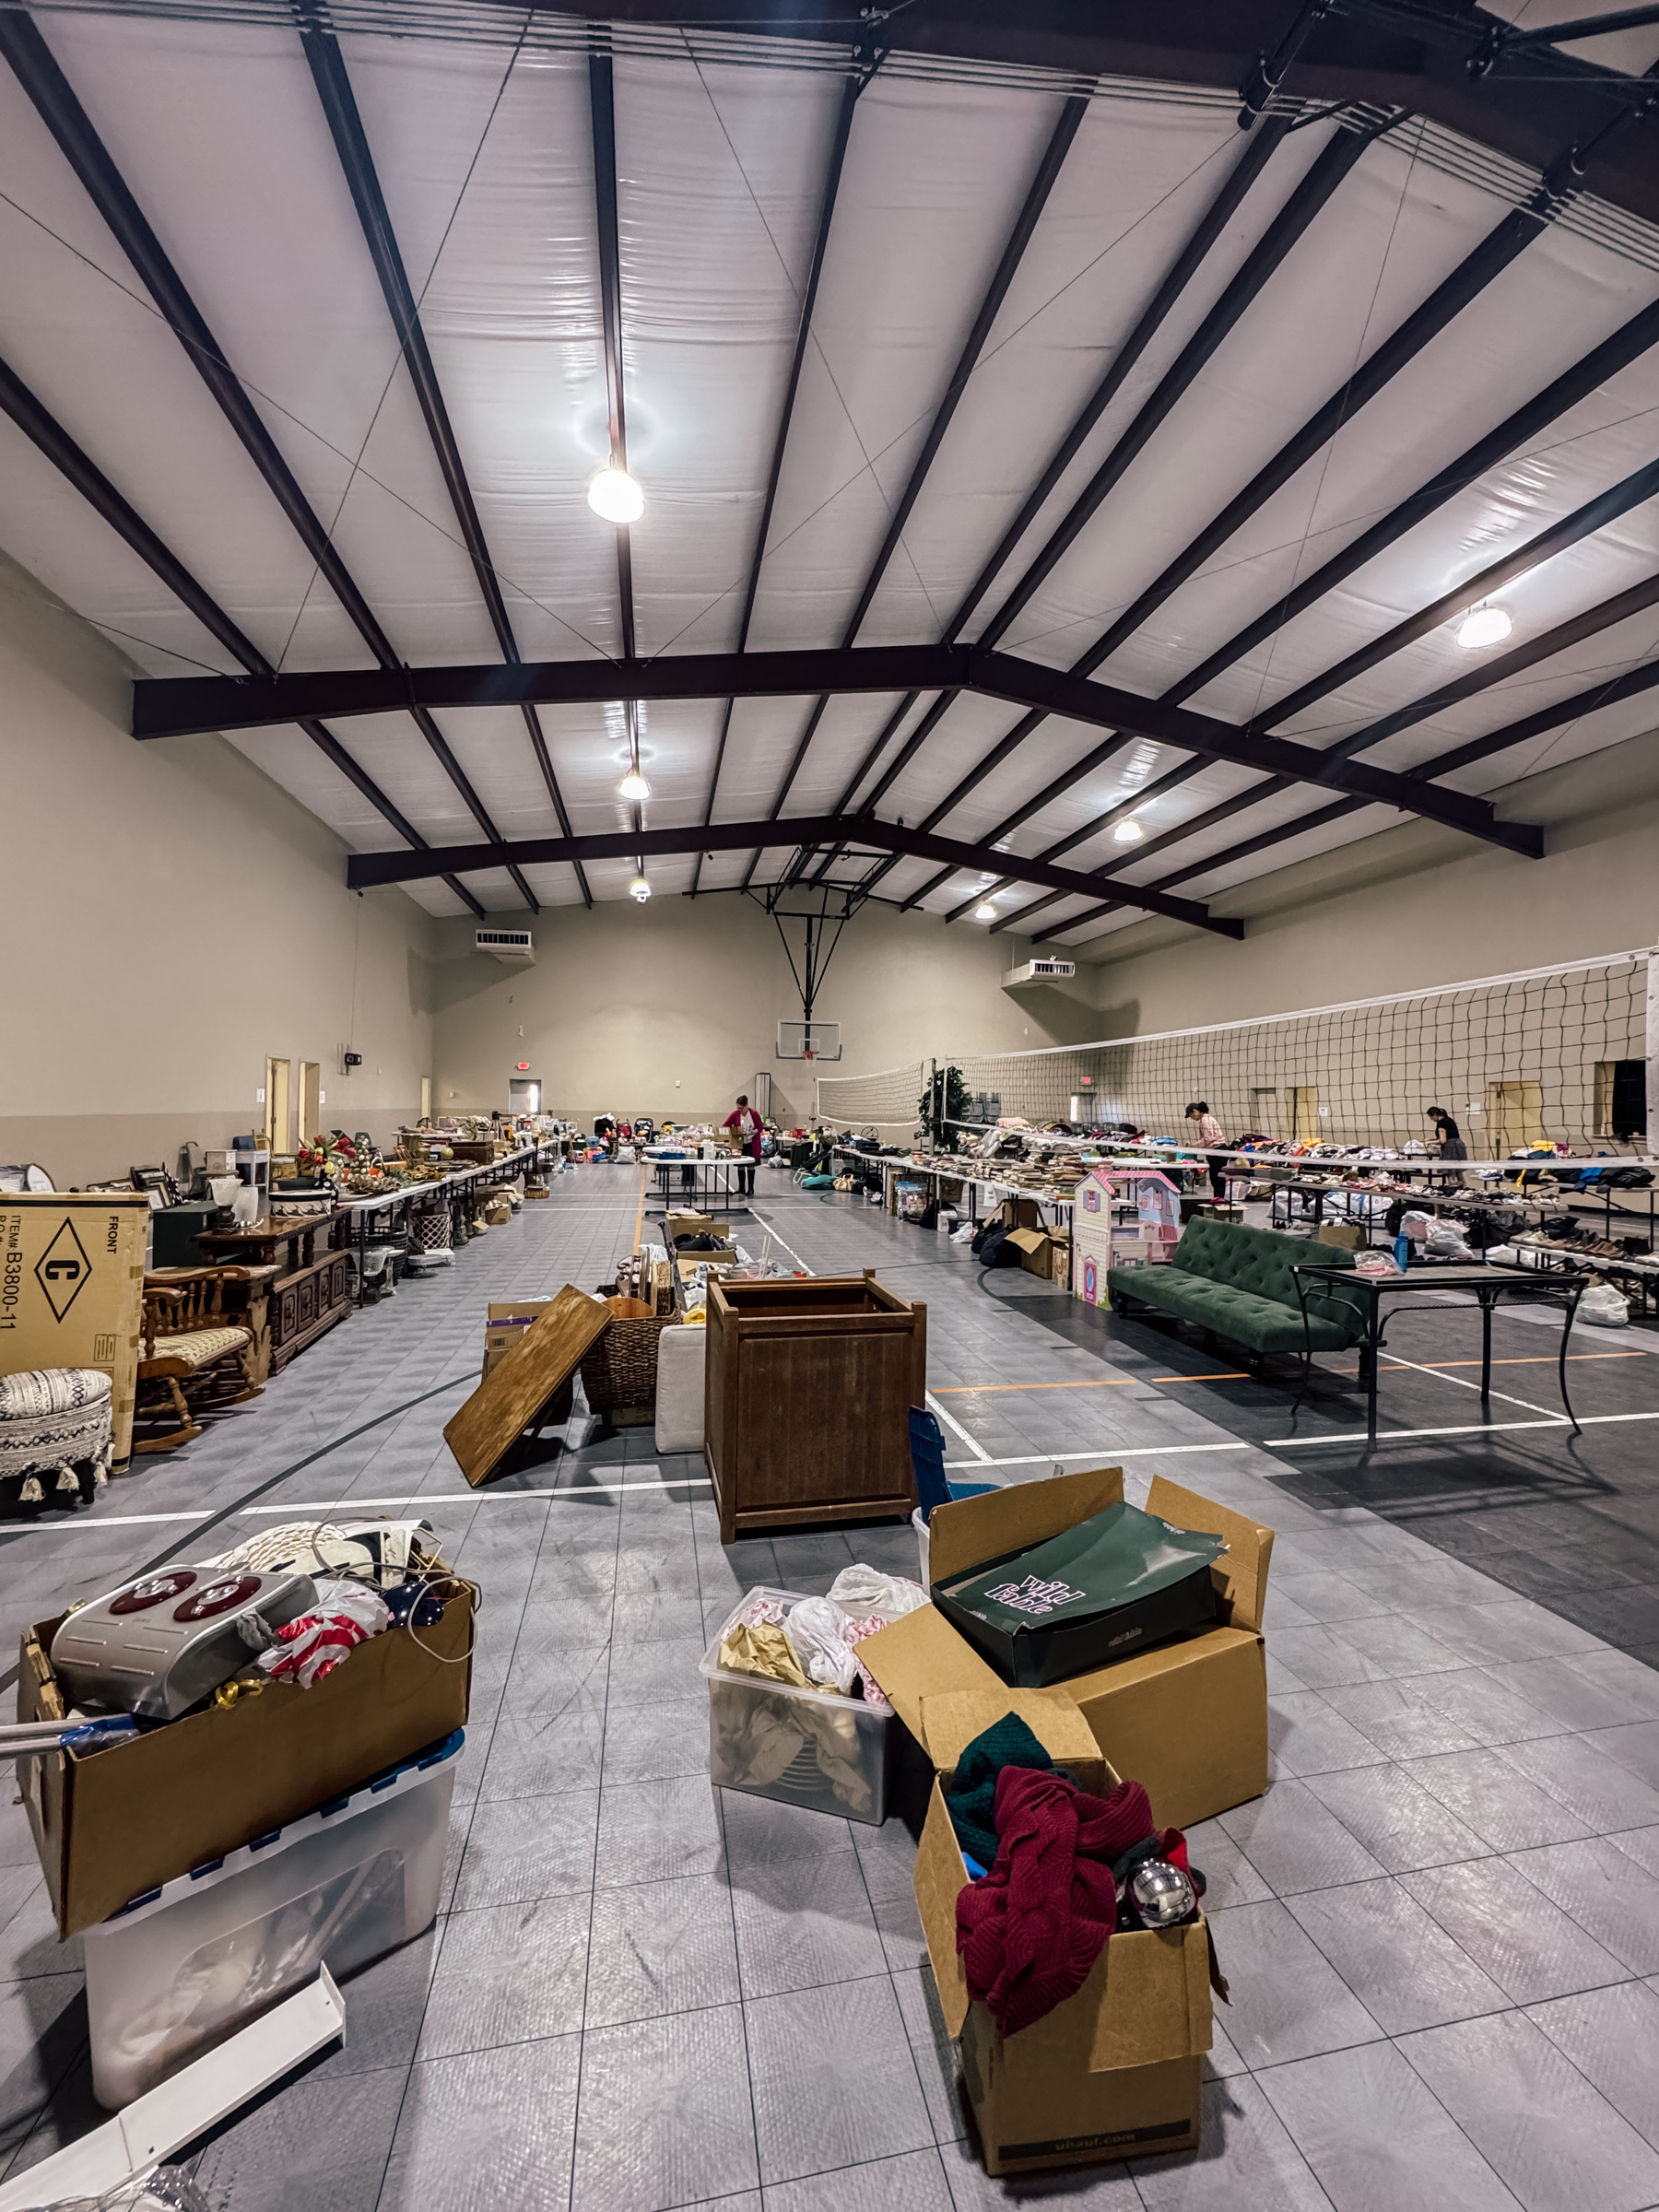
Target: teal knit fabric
972 1798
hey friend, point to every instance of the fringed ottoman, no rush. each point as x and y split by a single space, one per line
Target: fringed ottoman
50 1420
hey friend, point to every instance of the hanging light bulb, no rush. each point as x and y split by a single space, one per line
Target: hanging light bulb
1485 626
633 785
615 495
985 912
1128 834
639 888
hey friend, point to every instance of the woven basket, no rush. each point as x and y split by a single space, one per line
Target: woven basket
621 1368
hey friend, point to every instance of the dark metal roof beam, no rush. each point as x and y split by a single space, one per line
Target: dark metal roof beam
174 706
365 868
1121 812
1071 116
351 143
81 471
1629 685
36 69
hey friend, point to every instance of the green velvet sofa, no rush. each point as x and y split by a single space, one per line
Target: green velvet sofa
1237 1283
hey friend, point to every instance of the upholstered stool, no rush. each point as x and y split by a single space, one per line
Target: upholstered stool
51 1419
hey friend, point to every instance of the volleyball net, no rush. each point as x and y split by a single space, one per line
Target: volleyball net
1557 1054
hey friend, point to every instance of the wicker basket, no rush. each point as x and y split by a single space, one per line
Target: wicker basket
621 1370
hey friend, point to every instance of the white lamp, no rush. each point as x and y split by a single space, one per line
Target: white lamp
1485 626
1128 834
615 495
639 888
633 786
985 912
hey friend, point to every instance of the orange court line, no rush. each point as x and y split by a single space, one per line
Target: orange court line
975 1390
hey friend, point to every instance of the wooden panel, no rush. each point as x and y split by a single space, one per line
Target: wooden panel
508 1400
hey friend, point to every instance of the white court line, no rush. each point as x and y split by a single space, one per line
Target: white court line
1299 1444
351 1505
1464 1383
776 1238
980 1454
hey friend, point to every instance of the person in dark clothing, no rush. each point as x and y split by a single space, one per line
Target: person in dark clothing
1452 1146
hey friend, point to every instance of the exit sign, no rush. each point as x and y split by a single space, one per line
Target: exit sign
524 1067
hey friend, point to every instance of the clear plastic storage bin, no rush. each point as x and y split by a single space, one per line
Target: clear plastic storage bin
178 1969
802 1746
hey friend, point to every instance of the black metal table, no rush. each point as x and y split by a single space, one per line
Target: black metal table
1485 1285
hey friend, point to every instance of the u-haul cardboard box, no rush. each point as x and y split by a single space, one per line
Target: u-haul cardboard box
1111 2073
1189 1719
72 1288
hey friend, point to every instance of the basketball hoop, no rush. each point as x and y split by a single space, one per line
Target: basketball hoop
808 1052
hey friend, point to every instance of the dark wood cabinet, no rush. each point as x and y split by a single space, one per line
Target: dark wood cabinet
808 1390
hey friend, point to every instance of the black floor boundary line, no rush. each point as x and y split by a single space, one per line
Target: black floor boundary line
202 1528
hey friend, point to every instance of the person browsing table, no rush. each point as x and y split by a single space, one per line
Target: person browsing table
1211 1138
745 1125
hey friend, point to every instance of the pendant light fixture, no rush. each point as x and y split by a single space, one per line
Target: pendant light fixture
985 912
640 889
615 496
1128 834
1483 625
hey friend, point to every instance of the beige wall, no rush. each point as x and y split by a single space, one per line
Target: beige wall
672 1008
1416 905
173 918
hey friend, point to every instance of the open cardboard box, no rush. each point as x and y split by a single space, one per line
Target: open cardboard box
1112 2072
1188 1720
1036 1247
111 1825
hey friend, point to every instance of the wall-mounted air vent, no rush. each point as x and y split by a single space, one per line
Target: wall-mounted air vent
516 947
1039 971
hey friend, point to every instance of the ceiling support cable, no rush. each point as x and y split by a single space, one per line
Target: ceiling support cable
1480 268
80 471
351 143
36 69
866 59
1330 166
1065 129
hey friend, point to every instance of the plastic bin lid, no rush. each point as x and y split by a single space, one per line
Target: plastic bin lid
392 1781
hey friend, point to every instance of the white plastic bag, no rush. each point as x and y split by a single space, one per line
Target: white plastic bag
1604 1307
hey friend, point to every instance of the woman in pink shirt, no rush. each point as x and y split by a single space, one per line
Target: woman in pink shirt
1210 1137
745 1125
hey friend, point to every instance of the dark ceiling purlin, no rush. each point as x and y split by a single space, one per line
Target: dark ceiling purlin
37 70
1480 268
866 57
351 143
1072 113
82 472
366 869
1312 192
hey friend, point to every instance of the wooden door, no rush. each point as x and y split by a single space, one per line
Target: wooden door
1304 1114
1514 1117
311 1100
278 1073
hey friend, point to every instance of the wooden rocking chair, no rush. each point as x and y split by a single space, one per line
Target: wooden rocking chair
196 1357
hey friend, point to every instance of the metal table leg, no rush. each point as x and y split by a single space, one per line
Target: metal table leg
1487 1299
1573 1296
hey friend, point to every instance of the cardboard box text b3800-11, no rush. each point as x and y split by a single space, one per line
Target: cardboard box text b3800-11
72 1288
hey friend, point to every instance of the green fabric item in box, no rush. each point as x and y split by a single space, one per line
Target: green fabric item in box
972 1798
1113 1584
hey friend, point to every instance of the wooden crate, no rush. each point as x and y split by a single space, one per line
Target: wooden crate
808 1390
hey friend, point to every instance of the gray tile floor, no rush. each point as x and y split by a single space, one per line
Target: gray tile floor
1440 1924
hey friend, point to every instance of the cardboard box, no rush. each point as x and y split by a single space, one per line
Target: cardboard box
1188 1720
1038 1247
72 1288
1345 1236
1114 2072
506 1326
110 1826
1060 1254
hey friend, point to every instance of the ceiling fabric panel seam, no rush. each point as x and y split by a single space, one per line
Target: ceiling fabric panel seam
1024 223
95 488
1473 274
346 127
37 70
867 60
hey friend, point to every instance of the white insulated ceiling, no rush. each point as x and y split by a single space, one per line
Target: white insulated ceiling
484 158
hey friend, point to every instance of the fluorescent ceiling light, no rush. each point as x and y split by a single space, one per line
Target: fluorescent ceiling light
633 786
639 888
1128 834
1485 626
614 494
985 912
